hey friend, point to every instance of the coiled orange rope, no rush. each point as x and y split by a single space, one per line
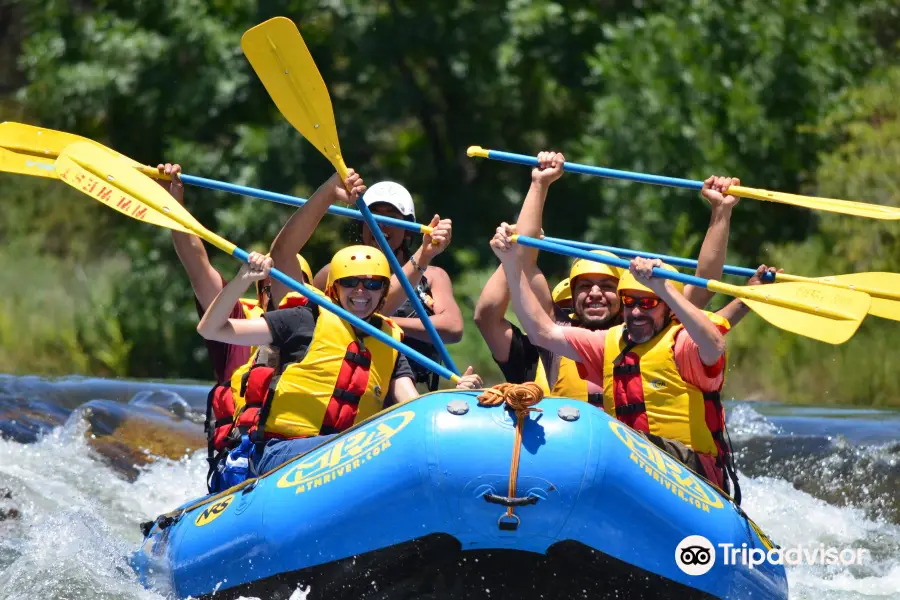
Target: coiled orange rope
520 397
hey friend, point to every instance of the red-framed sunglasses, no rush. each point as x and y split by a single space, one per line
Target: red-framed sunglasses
645 303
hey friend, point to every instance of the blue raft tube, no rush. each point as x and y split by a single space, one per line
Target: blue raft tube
412 504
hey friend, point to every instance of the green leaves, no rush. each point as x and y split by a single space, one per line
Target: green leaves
685 89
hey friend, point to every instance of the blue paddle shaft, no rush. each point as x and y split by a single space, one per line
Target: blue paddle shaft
571 167
397 268
368 328
222 186
675 261
607 260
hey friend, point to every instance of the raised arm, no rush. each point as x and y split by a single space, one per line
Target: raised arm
298 229
531 221
531 217
205 280
541 329
710 341
447 318
216 325
490 311
736 310
490 316
715 244
432 245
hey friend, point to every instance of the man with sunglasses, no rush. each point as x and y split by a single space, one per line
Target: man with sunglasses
586 299
331 375
661 371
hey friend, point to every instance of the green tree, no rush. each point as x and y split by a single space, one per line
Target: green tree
677 88
864 166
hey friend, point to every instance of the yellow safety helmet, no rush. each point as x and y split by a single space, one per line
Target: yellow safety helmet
562 292
304 266
356 261
582 266
628 282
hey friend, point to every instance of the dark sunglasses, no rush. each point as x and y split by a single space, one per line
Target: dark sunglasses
370 284
645 303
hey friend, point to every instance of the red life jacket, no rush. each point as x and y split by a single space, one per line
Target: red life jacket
221 434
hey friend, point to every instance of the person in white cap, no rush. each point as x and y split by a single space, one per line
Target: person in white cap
389 199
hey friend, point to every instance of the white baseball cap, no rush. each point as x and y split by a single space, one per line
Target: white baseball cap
394 194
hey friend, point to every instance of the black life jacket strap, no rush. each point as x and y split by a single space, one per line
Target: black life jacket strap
631 408
629 346
346 396
259 436
723 443
210 433
358 359
626 369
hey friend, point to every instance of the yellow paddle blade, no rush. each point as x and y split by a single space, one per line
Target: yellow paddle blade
12 161
31 149
884 288
282 62
845 207
104 177
827 314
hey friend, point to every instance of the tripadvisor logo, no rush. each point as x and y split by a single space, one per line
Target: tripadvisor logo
695 555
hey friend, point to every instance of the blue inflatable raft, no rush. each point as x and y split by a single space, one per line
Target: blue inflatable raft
410 504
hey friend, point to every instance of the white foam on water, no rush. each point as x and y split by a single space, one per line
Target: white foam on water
744 422
793 518
79 519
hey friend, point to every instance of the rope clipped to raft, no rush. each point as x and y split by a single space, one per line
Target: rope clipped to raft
520 398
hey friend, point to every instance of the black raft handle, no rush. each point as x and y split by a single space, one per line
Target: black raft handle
510 502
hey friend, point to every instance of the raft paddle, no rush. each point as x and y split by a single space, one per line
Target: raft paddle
278 54
826 314
846 207
30 150
102 176
884 288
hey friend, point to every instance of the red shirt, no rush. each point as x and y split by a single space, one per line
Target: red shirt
225 358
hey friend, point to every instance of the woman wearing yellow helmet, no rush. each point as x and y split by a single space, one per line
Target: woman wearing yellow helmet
331 375
432 283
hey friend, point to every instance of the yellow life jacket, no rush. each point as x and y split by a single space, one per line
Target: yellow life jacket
646 391
252 310
569 383
335 385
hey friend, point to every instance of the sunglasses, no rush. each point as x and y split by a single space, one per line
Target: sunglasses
645 303
372 285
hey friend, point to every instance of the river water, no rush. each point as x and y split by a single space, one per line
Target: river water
83 461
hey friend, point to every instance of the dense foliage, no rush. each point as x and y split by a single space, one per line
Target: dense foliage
788 94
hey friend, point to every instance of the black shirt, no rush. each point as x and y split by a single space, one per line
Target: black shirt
524 356
292 331
523 359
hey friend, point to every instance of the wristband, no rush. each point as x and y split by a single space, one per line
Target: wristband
412 259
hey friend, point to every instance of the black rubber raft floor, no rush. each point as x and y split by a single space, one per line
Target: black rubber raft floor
434 567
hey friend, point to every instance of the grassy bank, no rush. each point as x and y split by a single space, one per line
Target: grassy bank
57 316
